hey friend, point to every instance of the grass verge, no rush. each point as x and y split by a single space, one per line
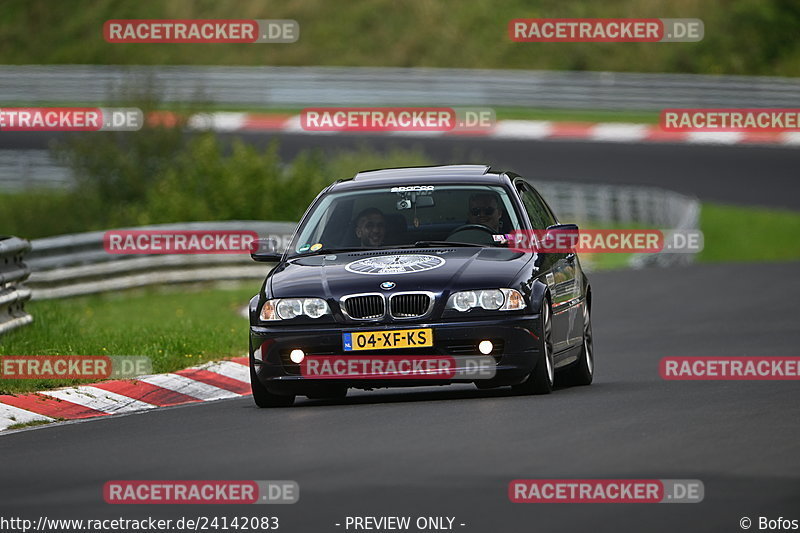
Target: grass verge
731 234
175 328
741 36
32 423
735 233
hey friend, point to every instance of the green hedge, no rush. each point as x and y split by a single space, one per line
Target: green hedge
756 37
161 175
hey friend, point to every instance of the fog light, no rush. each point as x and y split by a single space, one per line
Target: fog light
485 347
297 356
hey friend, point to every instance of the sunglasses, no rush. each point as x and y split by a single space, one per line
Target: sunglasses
476 211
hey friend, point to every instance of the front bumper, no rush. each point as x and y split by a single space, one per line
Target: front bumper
514 339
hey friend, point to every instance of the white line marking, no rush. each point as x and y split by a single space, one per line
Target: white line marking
229 369
790 137
99 399
190 387
714 137
221 121
618 132
10 415
523 129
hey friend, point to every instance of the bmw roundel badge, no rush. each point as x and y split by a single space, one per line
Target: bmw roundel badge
388 285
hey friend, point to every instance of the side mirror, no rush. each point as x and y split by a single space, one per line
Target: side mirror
562 238
266 251
562 228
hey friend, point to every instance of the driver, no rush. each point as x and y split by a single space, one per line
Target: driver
371 227
485 209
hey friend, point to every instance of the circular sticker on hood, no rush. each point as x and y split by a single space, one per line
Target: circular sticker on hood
394 264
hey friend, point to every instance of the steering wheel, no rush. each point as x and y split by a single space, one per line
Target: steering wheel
467 227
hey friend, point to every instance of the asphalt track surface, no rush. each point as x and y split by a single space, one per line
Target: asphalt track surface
453 451
738 174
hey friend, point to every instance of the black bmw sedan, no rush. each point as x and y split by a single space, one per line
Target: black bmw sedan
411 276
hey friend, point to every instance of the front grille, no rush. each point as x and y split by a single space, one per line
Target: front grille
409 305
364 307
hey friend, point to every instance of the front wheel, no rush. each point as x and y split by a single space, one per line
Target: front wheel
540 381
265 398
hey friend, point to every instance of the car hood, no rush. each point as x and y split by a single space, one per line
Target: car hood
432 269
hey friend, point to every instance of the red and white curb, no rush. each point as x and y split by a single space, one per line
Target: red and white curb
507 129
211 381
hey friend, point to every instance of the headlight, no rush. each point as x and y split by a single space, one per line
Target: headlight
464 301
288 308
314 307
489 299
492 300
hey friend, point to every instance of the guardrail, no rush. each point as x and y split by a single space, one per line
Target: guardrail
71 265
13 294
620 205
363 86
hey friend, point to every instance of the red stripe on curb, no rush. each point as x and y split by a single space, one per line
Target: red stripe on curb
166 119
771 137
561 130
470 133
49 406
241 360
576 130
265 122
217 380
146 392
656 134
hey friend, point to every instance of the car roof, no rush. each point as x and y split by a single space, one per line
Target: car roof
422 176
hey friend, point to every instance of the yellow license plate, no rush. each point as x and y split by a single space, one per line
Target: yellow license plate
387 339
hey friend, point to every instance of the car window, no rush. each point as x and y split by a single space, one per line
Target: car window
403 215
540 216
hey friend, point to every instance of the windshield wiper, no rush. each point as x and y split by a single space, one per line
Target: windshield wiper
325 251
423 244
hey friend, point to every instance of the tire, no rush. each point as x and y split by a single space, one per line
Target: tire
540 380
265 398
582 371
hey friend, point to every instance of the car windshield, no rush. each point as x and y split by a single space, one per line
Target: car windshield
405 216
